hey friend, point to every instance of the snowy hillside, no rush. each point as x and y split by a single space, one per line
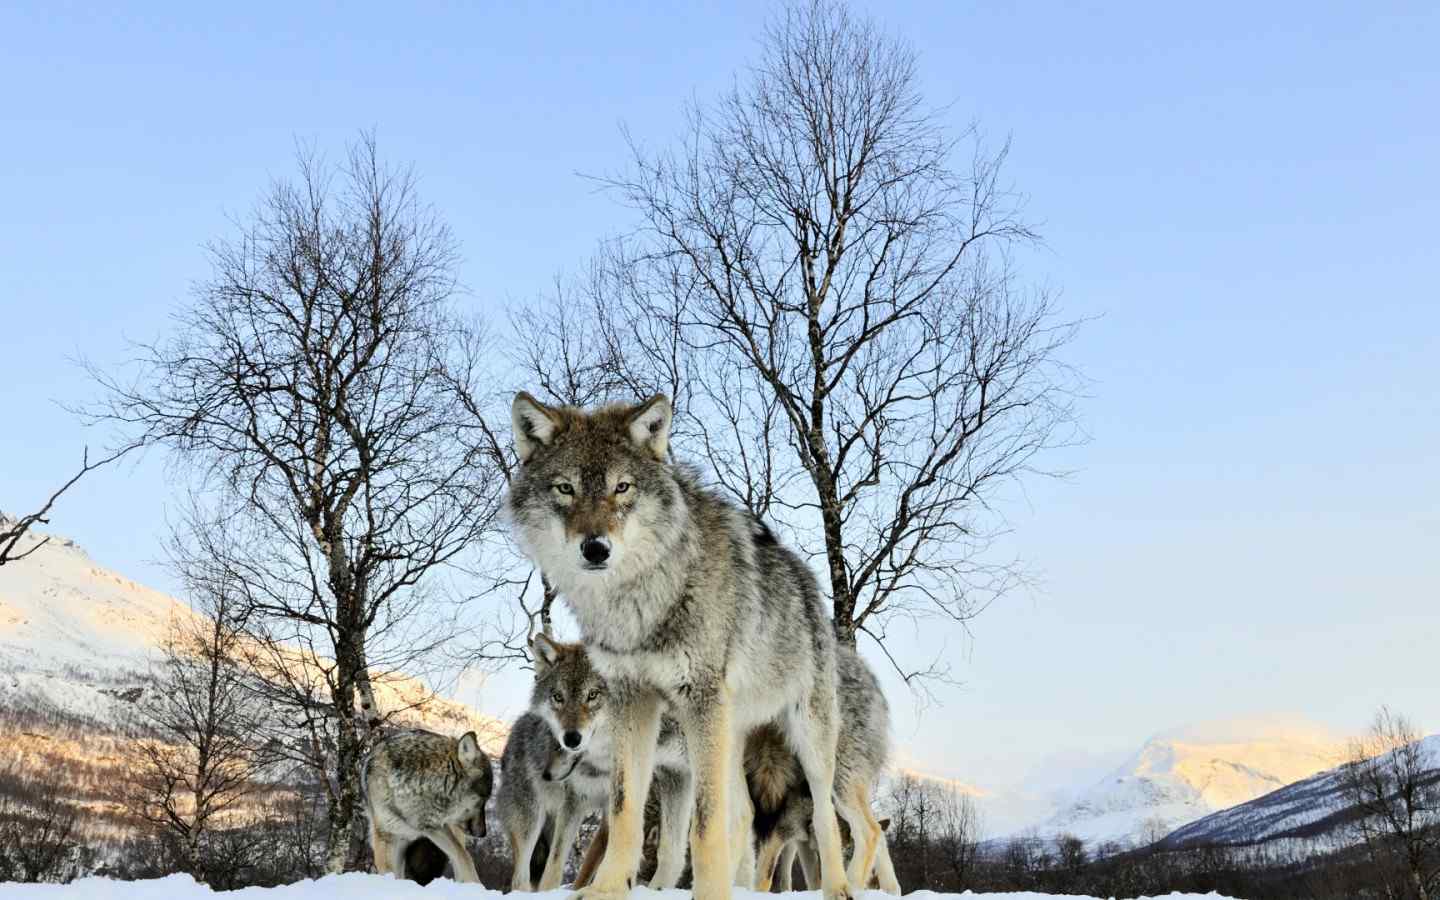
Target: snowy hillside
75 638
1314 808
1181 776
381 887
75 642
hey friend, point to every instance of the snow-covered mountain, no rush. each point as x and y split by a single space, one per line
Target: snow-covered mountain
1180 776
76 640
1314 809
74 635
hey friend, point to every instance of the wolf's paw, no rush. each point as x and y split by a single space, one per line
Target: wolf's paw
599 892
842 892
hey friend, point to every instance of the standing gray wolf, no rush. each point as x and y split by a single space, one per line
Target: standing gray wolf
687 604
783 807
419 784
556 769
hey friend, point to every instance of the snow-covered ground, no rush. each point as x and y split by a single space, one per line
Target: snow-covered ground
381 887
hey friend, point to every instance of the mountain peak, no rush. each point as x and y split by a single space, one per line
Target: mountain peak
1183 774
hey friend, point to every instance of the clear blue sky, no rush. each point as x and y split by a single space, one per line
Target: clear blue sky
1243 195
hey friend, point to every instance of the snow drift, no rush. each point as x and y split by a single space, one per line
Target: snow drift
379 887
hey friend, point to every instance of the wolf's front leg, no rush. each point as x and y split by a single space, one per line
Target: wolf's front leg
567 826
380 849
708 736
636 724
453 845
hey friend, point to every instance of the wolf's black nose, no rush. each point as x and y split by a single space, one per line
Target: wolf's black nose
572 739
595 550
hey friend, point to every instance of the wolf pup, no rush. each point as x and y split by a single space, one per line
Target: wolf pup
530 798
782 798
421 784
686 604
556 769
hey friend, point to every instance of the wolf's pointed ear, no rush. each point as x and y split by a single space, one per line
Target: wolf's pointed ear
546 652
535 424
650 425
469 751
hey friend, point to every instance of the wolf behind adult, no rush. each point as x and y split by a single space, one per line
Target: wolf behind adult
687 604
782 800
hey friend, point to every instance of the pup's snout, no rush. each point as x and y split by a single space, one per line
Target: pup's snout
572 740
595 549
547 776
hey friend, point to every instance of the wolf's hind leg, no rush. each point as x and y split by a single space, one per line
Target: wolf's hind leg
811 731
787 869
865 834
809 864
677 801
884 868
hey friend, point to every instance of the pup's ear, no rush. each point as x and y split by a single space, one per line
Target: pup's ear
546 652
535 424
650 425
471 756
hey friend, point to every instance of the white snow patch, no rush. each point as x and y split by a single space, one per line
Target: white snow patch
356 886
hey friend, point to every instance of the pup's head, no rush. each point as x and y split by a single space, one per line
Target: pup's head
476 779
594 494
568 694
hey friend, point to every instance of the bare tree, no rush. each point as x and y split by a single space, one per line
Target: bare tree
934 833
307 389
840 305
13 531
959 836
197 722
1071 858
38 838
1392 780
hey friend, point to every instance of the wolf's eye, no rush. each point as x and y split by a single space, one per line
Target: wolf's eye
557 696
564 487
622 487
592 696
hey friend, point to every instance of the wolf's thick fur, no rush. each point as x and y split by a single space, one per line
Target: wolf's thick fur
421 784
545 782
783 809
686 604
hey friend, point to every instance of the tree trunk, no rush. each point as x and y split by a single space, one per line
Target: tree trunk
841 600
349 665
